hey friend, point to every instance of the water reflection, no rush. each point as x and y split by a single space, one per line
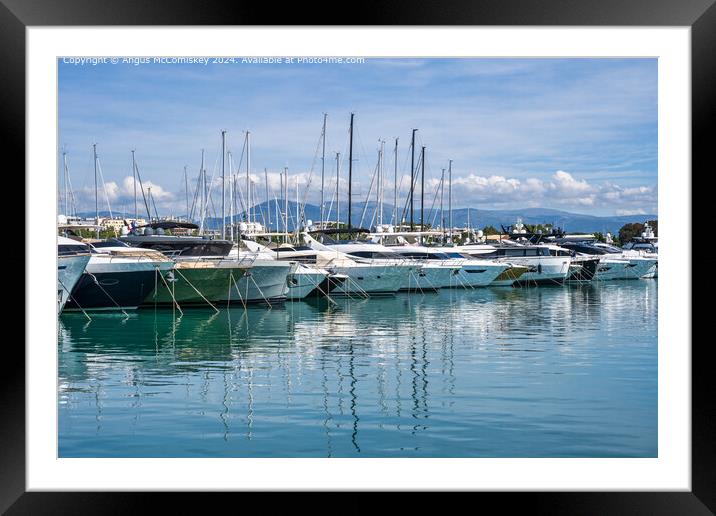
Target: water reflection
486 372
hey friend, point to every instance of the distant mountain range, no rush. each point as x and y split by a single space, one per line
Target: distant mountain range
569 222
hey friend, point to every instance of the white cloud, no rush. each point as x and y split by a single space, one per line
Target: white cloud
638 211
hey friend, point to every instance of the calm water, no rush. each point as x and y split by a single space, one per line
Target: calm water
539 372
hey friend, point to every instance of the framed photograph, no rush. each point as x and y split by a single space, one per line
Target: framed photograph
418 253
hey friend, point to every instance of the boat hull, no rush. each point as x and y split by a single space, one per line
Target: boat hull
303 282
196 285
508 277
477 275
264 281
626 269
374 280
122 290
544 270
429 277
69 272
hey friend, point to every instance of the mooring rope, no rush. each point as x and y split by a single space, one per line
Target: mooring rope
196 290
107 293
317 286
69 294
231 276
171 292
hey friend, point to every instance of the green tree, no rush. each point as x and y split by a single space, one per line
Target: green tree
600 237
489 230
629 231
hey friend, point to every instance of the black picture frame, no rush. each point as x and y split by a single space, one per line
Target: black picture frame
700 15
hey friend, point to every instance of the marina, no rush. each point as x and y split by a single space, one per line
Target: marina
316 285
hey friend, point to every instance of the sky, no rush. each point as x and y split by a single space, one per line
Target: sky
573 134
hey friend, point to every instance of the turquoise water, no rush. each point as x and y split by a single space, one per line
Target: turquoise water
496 372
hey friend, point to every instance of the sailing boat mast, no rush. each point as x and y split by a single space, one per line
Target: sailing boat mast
268 206
231 199
450 200
338 199
350 172
395 186
285 203
412 177
186 192
442 216
66 173
202 185
323 167
380 184
96 201
223 184
422 189
248 178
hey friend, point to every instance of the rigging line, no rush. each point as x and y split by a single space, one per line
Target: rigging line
240 195
194 199
211 184
370 190
431 217
104 187
409 199
141 187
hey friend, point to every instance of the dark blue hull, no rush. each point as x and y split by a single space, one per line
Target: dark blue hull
126 289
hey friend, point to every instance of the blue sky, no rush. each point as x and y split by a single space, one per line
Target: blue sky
573 134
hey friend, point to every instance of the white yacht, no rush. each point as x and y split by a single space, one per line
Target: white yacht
350 276
389 267
301 282
467 271
615 263
543 267
647 244
72 258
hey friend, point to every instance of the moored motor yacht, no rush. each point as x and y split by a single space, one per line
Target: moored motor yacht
72 258
118 277
614 263
542 266
382 271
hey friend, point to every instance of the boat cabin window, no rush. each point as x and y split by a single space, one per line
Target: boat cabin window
515 252
373 254
65 250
